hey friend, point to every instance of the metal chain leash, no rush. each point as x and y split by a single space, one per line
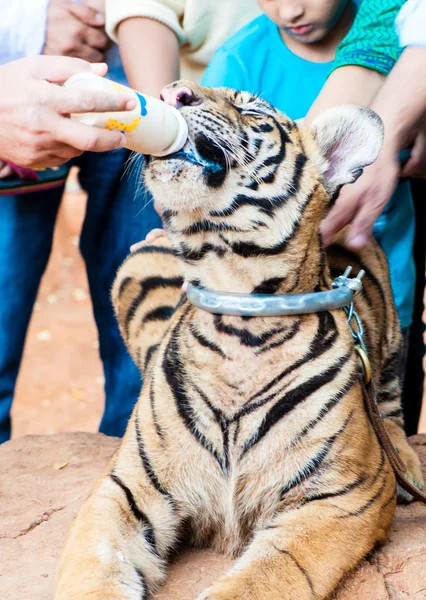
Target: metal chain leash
352 318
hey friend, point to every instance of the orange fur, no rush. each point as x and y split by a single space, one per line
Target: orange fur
250 435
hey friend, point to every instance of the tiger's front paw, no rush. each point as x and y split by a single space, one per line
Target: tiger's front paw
213 593
414 472
233 588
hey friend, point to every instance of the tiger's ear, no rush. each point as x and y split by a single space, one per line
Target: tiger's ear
349 138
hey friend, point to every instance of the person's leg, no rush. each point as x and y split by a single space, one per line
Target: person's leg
412 394
115 219
26 230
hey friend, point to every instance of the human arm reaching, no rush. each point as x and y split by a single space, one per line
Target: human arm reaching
149 34
363 58
35 128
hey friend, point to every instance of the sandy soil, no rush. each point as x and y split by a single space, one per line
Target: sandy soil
60 386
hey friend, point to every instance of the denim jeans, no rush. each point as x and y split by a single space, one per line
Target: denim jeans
115 218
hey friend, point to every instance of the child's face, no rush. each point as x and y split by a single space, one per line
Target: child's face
307 21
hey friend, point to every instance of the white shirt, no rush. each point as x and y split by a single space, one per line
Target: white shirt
201 26
23 33
22 28
411 24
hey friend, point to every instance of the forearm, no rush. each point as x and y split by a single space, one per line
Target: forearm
363 58
401 102
348 85
150 54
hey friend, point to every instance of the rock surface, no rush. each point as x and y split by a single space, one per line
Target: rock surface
44 479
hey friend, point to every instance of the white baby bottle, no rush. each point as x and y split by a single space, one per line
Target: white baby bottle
153 127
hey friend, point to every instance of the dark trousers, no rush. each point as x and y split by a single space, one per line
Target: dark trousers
412 395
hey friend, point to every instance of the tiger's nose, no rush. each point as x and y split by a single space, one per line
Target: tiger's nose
180 96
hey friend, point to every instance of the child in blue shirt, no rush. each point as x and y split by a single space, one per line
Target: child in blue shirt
285 56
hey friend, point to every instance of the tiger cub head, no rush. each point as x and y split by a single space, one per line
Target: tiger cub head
252 184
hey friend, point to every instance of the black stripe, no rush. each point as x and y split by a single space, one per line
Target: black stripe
315 462
153 250
393 414
298 565
194 254
201 339
143 585
137 513
269 286
265 205
223 423
351 258
278 158
168 215
148 465
326 409
366 506
379 469
247 338
217 119
293 398
149 354
371 484
324 339
161 313
250 249
148 285
341 492
176 378
288 336
391 368
210 226
391 499
124 284
157 425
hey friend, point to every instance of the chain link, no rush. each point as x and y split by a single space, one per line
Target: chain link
352 318
357 332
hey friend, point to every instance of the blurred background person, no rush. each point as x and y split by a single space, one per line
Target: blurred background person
400 100
30 203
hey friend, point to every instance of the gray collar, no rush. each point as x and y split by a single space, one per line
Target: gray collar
273 305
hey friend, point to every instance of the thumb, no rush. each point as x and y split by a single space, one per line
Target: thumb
86 14
57 69
361 228
340 215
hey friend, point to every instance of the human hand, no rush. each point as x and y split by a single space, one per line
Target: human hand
99 5
360 203
75 29
5 170
416 164
150 237
35 128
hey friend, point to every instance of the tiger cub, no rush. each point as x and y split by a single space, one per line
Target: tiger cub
250 434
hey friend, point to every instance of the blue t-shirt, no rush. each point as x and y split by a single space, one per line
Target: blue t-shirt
257 60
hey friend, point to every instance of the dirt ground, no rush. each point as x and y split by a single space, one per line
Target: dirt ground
60 386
